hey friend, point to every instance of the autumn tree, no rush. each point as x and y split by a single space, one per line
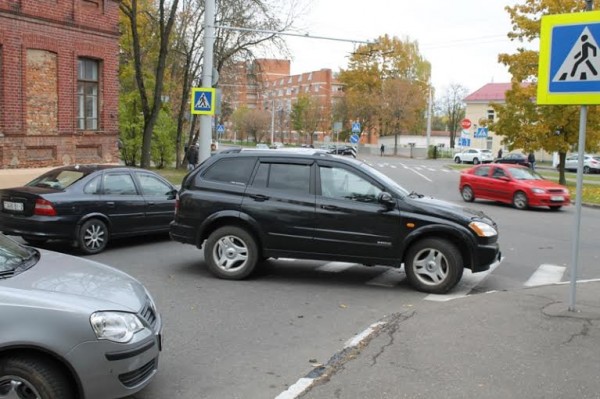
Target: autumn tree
523 123
309 115
452 106
372 64
251 124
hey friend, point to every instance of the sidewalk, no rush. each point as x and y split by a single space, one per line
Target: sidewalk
18 177
518 344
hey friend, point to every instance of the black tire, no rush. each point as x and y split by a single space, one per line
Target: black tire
93 236
586 169
467 194
520 200
457 160
35 241
476 161
555 208
30 377
231 253
433 265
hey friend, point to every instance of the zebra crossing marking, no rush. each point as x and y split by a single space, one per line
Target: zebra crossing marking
389 278
469 281
546 274
336 267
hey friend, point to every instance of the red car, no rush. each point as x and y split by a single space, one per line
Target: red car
512 184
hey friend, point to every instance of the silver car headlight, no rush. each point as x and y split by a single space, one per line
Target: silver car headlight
483 229
115 326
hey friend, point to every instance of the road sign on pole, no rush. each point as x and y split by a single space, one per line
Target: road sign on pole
354 138
569 61
482 132
355 127
465 123
203 101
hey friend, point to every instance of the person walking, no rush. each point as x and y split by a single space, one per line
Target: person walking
500 153
382 149
192 156
531 160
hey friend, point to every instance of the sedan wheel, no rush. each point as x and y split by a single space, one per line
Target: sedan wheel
475 161
520 200
586 169
93 236
433 265
31 378
231 253
457 160
467 194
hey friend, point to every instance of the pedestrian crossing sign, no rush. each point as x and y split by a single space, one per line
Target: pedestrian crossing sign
203 101
569 60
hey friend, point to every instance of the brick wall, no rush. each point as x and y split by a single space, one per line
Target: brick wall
40 44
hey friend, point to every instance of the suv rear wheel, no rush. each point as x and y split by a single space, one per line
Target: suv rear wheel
433 265
231 253
457 160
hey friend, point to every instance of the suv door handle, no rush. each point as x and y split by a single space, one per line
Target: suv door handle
330 207
259 197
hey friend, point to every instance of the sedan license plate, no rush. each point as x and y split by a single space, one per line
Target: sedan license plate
13 206
557 198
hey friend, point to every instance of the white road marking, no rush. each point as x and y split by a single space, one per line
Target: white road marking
389 278
299 387
422 175
467 283
336 267
358 338
545 275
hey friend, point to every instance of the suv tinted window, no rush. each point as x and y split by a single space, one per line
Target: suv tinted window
231 170
288 177
340 183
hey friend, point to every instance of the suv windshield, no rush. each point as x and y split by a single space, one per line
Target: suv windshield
389 182
15 257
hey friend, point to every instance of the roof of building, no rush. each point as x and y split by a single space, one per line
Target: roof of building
489 92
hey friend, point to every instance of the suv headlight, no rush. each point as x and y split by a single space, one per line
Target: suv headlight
483 229
115 326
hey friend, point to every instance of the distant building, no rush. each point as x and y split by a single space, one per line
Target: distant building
267 84
59 86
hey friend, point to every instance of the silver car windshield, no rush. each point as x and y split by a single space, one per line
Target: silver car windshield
15 257
385 179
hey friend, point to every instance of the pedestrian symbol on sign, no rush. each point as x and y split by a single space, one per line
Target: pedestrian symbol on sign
582 62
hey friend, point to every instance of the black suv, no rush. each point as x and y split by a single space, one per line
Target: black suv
246 206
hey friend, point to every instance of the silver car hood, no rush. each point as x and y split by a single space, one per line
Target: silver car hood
77 283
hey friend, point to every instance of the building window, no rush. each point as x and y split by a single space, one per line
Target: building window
490 115
87 94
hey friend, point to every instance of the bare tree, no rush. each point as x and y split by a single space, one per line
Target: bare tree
453 107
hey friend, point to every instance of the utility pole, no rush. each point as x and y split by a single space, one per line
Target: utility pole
429 108
209 40
272 120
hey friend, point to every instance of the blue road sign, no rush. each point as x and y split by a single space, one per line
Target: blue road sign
220 129
203 101
354 138
481 132
355 127
464 142
569 62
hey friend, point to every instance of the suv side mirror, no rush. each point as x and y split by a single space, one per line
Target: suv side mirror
386 199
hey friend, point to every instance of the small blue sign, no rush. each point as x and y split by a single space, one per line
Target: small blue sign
355 127
464 142
220 129
482 132
354 138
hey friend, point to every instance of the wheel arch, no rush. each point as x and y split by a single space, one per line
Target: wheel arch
229 218
89 216
39 352
456 237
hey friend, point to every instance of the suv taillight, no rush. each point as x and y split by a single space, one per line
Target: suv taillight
44 208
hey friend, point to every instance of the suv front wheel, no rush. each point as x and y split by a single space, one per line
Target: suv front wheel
231 253
433 265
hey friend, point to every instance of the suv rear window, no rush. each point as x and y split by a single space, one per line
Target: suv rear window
231 170
288 177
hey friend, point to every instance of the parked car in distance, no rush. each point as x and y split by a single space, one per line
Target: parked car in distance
591 163
276 145
88 205
514 158
474 156
341 149
512 184
262 146
73 328
243 208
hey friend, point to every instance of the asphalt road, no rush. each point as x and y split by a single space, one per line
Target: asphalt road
255 338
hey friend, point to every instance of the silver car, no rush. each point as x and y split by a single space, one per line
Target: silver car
72 328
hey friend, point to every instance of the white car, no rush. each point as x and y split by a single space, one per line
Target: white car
474 156
591 163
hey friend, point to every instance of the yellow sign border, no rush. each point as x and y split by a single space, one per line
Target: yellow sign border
544 96
213 98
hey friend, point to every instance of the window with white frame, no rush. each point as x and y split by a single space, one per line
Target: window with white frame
87 94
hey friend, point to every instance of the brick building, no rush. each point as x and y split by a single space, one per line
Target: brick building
267 84
58 82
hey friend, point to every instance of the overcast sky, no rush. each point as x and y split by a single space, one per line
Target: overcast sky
461 38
